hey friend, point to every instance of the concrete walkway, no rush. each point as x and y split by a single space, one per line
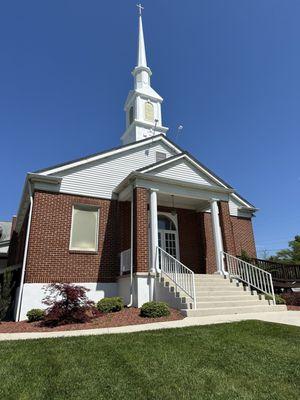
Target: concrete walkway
280 317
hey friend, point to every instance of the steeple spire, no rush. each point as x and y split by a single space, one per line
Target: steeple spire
143 104
141 57
141 72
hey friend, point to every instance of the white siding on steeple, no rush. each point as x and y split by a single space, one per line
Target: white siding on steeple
98 179
182 170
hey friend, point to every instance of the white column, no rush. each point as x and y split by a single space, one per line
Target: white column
153 228
217 234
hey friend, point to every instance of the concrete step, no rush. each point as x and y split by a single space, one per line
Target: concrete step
226 304
215 278
218 285
225 289
232 310
227 297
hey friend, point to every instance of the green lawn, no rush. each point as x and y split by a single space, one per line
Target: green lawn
244 360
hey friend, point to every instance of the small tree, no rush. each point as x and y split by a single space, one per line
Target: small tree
67 304
245 257
290 255
6 288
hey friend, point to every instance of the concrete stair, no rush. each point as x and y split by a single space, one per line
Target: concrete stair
217 295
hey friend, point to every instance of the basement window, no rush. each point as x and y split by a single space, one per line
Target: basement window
160 156
84 228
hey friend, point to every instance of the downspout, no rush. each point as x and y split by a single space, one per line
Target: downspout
18 311
131 253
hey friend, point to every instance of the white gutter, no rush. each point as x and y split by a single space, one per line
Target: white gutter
18 311
131 253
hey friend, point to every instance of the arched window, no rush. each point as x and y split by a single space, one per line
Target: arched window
168 235
131 115
149 112
166 223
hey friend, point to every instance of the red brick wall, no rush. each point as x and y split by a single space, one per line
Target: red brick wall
125 225
226 228
49 257
243 235
141 245
189 239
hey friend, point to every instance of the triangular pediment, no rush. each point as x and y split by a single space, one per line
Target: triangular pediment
183 168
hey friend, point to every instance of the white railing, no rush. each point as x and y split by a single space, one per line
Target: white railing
125 261
250 274
182 277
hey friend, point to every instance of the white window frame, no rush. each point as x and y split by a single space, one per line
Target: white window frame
86 207
174 219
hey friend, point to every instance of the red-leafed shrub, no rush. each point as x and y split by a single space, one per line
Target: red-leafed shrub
67 304
291 298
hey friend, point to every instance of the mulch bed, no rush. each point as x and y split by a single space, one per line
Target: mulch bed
128 316
293 308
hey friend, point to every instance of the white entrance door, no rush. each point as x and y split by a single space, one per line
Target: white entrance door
168 235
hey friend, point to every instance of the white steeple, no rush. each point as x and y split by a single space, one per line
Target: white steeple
143 104
141 58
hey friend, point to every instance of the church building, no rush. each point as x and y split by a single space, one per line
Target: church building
121 220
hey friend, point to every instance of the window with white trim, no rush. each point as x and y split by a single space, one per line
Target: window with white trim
84 229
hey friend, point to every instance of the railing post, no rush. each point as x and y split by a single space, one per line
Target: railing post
194 291
247 275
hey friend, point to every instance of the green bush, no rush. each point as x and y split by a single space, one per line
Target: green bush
155 309
110 304
6 288
35 314
278 298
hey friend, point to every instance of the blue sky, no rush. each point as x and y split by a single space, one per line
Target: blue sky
228 71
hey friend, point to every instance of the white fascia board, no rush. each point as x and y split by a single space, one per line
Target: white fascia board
108 154
182 189
32 178
248 206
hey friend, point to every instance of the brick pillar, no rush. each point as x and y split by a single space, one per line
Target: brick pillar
140 230
226 228
208 243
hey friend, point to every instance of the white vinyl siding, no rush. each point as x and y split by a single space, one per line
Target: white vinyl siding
181 170
100 178
84 229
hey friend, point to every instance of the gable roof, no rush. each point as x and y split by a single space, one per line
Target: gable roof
120 149
96 156
202 168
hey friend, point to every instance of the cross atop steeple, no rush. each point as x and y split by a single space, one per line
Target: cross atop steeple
140 7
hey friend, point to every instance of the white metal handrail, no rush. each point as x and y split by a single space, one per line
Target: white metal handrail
250 274
125 259
182 277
